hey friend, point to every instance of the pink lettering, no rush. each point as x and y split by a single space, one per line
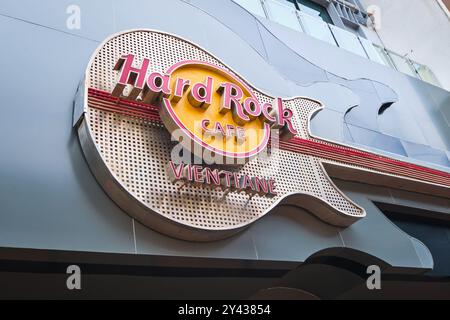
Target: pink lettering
272 187
130 75
181 86
200 95
261 185
157 84
284 120
230 100
212 175
252 107
176 173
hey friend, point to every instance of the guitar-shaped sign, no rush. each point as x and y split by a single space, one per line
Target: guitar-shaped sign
186 146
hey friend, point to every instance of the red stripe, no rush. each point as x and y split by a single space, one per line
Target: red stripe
348 151
103 100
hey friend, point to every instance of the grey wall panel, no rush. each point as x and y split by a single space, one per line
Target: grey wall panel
376 140
171 16
291 233
429 118
419 106
398 123
442 104
376 234
321 128
336 99
240 246
333 96
288 62
49 198
385 93
97 17
425 153
365 115
436 131
238 20
347 134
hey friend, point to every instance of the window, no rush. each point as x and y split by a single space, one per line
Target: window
425 73
348 41
376 53
314 9
253 6
402 64
317 28
283 12
290 3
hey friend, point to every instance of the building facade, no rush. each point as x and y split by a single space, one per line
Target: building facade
329 160
417 39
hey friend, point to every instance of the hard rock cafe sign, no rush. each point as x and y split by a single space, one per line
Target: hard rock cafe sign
187 147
